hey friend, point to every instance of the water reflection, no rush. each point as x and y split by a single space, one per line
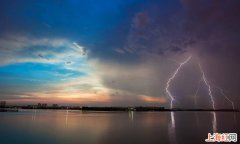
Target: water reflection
34 113
67 126
130 115
235 118
214 122
197 118
66 120
172 130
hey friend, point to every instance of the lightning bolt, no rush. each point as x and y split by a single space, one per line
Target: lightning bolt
225 96
208 85
195 101
195 95
204 79
214 121
172 128
232 103
172 77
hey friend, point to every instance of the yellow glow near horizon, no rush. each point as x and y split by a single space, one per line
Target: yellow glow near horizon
153 99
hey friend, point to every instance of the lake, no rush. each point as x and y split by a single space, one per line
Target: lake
79 127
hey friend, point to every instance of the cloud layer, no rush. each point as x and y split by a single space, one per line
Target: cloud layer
119 52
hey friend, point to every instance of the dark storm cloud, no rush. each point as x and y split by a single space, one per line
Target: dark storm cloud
215 27
207 29
200 24
210 22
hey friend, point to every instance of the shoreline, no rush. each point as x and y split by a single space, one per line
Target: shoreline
120 109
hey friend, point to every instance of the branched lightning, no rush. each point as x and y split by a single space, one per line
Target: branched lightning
172 77
208 85
204 79
225 96
214 121
172 128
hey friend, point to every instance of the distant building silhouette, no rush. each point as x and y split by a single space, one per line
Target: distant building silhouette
55 105
44 105
3 104
41 105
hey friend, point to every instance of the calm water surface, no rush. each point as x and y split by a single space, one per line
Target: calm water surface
77 127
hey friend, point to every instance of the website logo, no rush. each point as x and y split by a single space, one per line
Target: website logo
221 137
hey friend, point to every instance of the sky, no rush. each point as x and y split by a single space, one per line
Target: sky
120 53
